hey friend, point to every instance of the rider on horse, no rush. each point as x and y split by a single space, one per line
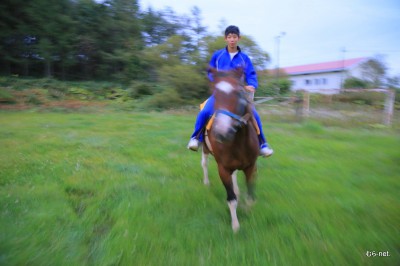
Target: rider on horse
229 58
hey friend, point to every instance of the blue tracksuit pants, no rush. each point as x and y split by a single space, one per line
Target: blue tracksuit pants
207 113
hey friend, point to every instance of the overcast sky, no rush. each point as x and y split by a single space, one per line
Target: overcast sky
316 30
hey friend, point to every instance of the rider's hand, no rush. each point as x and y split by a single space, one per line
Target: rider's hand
249 88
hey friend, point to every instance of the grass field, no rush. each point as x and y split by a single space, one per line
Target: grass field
115 188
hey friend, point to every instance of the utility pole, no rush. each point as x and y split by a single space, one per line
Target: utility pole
277 41
343 69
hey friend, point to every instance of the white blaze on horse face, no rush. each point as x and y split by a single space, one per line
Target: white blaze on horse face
224 87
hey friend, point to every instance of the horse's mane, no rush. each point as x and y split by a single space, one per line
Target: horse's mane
236 72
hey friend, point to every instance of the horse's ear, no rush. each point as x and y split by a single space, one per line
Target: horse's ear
212 70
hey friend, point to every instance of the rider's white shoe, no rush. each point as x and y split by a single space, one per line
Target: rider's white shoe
265 151
193 144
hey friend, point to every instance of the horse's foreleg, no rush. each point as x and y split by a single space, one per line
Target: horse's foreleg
250 174
235 184
232 208
226 179
204 164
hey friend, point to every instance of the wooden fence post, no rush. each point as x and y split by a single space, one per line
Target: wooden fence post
389 106
298 106
306 103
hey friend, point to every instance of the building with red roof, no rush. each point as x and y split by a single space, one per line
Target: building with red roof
326 77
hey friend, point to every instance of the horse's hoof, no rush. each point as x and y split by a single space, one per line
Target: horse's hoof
206 182
250 202
235 227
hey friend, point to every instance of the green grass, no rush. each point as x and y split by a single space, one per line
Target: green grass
114 188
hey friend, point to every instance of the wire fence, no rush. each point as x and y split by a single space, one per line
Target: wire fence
378 110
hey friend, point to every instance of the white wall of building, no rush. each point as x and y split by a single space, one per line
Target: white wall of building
327 82
317 82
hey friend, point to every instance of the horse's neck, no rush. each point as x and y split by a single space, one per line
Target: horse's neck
246 131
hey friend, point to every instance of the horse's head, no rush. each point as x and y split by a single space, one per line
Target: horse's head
231 105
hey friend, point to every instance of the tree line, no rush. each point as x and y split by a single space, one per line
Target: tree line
113 40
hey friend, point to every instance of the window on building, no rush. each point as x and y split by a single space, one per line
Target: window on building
324 81
307 82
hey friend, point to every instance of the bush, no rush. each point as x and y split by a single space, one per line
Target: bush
34 96
80 93
284 86
168 98
352 82
368 98
274 87
6 96
186 79
116 93
140 89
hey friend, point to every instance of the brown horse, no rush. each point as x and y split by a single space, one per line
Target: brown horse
232 138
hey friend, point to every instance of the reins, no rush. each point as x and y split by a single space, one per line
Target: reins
241 119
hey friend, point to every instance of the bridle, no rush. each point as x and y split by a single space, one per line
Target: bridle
241 120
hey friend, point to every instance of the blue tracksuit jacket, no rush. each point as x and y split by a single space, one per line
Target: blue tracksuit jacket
221 60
